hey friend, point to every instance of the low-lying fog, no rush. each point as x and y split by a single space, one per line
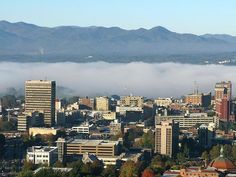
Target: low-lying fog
99 78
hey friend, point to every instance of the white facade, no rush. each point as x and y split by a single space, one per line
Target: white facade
83 128
42 155
74 106
190 120
122 109
163 102
109 115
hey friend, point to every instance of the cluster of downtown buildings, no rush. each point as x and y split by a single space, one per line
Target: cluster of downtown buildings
196 115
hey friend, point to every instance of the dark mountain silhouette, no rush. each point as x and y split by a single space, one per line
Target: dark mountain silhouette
27 42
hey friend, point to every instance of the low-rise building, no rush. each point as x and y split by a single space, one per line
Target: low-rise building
83 128
163 101
123 109
86 103
42 155
131 101
98 147
109 115
42 131
191 120
116 127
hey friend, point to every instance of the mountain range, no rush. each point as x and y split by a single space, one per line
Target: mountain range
27 42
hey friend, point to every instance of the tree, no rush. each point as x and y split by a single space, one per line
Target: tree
228 151
148 173
76 168
147 140
110 171
28 166
26 173
129 169
181 158
7 126
157 162
96 168
234 152
58 164
215 152
8 101
206 157
2 143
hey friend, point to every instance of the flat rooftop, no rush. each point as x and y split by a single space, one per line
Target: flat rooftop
94 142
41 148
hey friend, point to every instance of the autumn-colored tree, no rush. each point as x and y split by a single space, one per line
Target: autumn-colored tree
148 173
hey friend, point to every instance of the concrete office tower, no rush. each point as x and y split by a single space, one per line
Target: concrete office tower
166 138
40 96
133 101
222 89
102 103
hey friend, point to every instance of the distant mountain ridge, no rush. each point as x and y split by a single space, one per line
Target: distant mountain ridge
22 41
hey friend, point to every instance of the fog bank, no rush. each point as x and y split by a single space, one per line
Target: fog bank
100 78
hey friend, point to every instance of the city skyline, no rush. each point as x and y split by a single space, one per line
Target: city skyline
198 17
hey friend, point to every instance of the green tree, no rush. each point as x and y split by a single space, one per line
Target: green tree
129 169
157 162
234 152
76 168
148 140
85 169
28 166
26 173
206 157
96 168
228 151
215 152
2 143
110 171
181 158
8 101
58 164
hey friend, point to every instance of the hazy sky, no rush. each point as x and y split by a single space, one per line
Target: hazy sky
151 80
193 16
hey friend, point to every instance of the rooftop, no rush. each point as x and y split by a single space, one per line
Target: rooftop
94 142
41 148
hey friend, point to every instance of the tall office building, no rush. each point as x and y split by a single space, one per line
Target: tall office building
166 138
223 94
40 96
222 89
222 107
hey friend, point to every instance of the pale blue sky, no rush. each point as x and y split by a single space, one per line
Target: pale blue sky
193 16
